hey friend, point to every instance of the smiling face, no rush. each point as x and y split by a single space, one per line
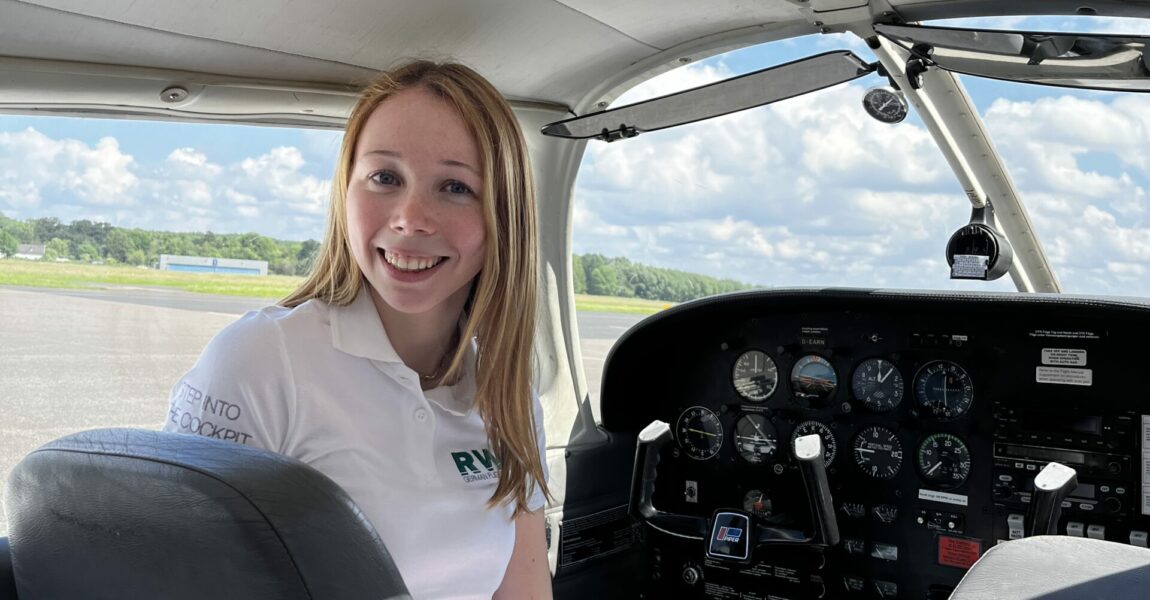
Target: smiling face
415 216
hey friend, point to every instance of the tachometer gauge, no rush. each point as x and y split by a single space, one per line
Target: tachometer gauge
878 452
813 378
756 503
700 434
943 390
885 105
943 460
878 384
830 446
756 438
755 376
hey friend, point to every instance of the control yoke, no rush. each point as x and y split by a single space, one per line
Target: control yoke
808 453
1052 485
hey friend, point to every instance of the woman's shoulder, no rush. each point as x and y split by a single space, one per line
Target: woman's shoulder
267 332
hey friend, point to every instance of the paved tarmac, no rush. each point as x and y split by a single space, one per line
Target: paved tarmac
73 360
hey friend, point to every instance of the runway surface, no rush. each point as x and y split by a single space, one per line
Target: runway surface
72 360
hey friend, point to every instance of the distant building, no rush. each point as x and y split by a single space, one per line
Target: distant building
202 264
29 251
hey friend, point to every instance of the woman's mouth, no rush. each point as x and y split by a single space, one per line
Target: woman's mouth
410 264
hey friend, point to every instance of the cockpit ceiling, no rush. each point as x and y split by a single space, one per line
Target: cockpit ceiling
562 52
558 51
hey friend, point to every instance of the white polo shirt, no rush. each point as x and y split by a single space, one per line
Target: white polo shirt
323 384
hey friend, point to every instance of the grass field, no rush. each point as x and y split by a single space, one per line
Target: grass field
77 276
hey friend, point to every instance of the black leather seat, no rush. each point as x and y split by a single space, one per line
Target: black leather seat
1055 567
124 513
7 579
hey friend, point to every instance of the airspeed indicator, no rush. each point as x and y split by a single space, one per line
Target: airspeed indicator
755 376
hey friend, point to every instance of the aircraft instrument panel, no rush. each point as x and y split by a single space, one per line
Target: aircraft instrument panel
935 412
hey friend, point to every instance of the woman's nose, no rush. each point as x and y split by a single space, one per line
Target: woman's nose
413 214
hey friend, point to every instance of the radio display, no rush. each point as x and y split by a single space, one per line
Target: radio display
1084 490
1036 420
1036 453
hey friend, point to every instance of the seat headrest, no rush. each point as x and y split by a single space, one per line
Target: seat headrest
127 513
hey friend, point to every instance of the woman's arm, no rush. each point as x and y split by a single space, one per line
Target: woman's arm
528 577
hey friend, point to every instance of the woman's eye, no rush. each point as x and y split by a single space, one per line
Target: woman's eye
384 178
455 187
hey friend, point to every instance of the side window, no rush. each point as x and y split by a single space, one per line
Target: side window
125 246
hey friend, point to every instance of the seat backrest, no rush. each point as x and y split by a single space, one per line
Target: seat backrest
127 513
1058 567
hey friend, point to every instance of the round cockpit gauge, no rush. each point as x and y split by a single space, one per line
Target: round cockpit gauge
756 439
943 460
885 105
699 433
755 376
756 503
943 390
878 452
830 446
813 378
878 384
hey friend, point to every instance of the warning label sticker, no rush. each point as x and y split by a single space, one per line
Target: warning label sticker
1064 357
969 266
1064 376
958 552
944 497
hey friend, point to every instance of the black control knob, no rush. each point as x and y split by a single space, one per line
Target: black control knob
691 575
1113 505
1114 468
819 590
1003 491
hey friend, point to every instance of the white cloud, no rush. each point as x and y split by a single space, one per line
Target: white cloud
280 173
184 190
93 175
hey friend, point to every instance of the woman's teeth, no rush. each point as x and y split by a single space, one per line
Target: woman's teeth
404 263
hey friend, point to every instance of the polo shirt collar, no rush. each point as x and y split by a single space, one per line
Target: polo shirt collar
357 330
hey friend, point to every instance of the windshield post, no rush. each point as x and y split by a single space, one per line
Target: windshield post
953 121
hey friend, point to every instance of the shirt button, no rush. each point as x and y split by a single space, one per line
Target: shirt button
421 414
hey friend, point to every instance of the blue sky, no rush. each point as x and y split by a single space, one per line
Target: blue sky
806 192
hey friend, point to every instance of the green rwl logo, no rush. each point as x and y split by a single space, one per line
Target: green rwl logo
476 465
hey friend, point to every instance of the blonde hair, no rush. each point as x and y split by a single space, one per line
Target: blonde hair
501 309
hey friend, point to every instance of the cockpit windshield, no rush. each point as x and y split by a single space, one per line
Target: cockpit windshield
813 191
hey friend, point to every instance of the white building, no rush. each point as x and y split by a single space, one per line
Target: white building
203 264
29 251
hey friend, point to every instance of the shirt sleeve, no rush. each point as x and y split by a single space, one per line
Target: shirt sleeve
240 389
536 500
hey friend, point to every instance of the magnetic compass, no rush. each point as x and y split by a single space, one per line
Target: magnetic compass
885 105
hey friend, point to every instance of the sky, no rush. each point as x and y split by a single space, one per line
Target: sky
809 191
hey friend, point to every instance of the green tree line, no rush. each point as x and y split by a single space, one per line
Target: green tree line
87 241
602 276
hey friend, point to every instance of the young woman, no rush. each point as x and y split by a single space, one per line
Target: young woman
401 368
